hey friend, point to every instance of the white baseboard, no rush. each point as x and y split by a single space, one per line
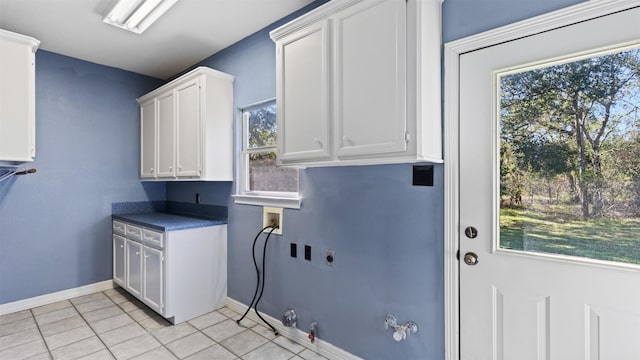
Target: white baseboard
55 297
319 346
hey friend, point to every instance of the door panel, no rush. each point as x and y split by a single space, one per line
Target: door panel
518 304
166 135
188 127
370 78
611 334
521 324
153 279
134 268
119 260
303 100
148 140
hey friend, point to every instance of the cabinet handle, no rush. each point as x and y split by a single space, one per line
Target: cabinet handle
121 246
152 170
170 168
317 141
346 140
137 252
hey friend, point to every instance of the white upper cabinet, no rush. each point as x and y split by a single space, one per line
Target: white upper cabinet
303 85
148 166
369 74
187 128
358 82
17 97
166 139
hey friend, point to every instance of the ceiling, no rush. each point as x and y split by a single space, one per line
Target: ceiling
190 31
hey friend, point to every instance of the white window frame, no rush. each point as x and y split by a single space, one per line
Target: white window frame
244 195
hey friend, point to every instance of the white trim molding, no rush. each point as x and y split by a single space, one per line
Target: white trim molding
46 299
319 346
276 201
452 52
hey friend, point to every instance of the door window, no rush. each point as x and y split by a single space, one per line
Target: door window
569 154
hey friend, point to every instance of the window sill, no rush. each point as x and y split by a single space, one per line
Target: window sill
275 201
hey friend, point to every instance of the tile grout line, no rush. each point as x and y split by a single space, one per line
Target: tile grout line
91 328
225 314
146 330
137 323
46 346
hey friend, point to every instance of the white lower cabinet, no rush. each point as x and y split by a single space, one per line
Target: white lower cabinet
153 270
119 264
179 274
133 274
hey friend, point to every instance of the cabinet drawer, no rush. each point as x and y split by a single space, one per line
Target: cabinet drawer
153 238
119 228
134 232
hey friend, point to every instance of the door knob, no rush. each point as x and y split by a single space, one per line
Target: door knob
470 258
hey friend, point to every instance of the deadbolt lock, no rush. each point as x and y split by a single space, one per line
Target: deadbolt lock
470 258
471 232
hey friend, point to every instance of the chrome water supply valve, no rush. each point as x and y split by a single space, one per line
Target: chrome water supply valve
312 332
289 318
401 331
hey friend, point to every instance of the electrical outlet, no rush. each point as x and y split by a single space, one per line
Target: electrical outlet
307 252
271 216
331 257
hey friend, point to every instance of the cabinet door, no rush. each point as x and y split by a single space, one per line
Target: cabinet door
134 267
370 78
302 75
17 97
166 135
153 290
188 129
148 139
119 260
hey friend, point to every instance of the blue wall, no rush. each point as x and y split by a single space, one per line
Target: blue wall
387 234
462 18
55 224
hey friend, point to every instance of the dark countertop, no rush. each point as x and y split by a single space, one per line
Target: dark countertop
167 222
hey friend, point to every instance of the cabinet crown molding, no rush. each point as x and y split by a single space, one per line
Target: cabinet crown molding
201 70
20 39
319 13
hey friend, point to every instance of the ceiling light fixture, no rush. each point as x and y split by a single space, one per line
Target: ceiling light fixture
137 15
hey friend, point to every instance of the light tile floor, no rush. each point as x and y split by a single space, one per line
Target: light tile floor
113 325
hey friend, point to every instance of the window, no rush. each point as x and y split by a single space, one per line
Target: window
262 182
569 157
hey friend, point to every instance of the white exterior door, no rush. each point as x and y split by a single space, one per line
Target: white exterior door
533 293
